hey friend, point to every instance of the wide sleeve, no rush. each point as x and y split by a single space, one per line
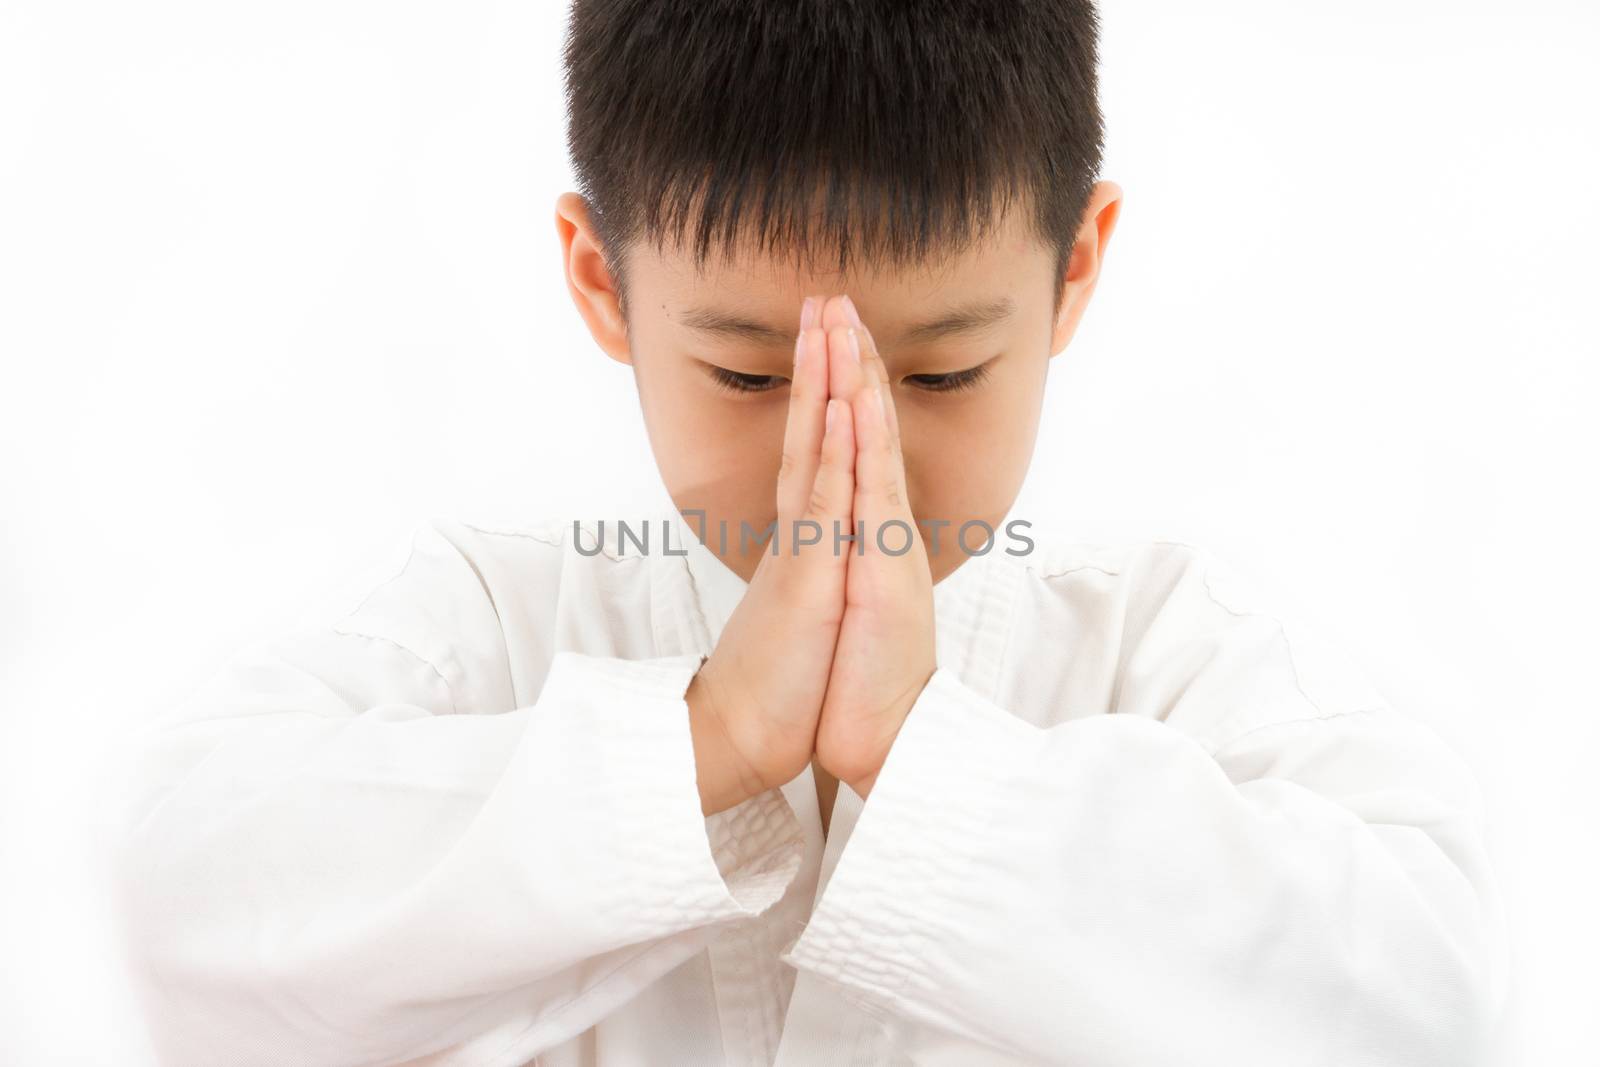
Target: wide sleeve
1116 890
324 859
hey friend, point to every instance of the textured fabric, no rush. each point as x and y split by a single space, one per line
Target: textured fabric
1135 818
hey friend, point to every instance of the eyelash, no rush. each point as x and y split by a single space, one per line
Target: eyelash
955 381
735 382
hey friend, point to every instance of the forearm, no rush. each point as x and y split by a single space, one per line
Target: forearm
301 877
1091 876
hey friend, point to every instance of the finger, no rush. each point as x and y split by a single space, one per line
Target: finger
803 429
845 372
859 374
872 362
833 493
880 487
840 311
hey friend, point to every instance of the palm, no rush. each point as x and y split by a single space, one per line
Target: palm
868 690
885 650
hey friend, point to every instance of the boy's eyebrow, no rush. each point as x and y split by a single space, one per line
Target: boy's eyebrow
964 318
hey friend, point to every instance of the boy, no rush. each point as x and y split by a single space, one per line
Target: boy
549 796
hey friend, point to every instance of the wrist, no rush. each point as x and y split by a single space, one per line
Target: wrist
725 773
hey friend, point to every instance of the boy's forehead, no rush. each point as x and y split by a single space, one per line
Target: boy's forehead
975 279
925 323
815 259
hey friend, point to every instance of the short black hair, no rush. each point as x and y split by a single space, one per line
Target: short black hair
887 130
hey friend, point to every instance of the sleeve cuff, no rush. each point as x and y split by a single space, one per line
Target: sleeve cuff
634 788
910 864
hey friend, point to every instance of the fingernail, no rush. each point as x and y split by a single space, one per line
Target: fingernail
850 311
808 313
799 348
855 346
827 421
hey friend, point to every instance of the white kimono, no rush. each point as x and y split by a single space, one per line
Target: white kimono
1134 820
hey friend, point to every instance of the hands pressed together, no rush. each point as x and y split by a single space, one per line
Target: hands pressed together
833 641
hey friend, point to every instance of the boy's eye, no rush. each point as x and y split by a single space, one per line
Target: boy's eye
970 378
739 382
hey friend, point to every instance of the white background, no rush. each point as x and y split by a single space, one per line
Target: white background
278 281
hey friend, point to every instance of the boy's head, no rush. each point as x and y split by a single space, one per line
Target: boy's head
938 161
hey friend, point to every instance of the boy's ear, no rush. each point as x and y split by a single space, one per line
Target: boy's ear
589 280
1088 253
